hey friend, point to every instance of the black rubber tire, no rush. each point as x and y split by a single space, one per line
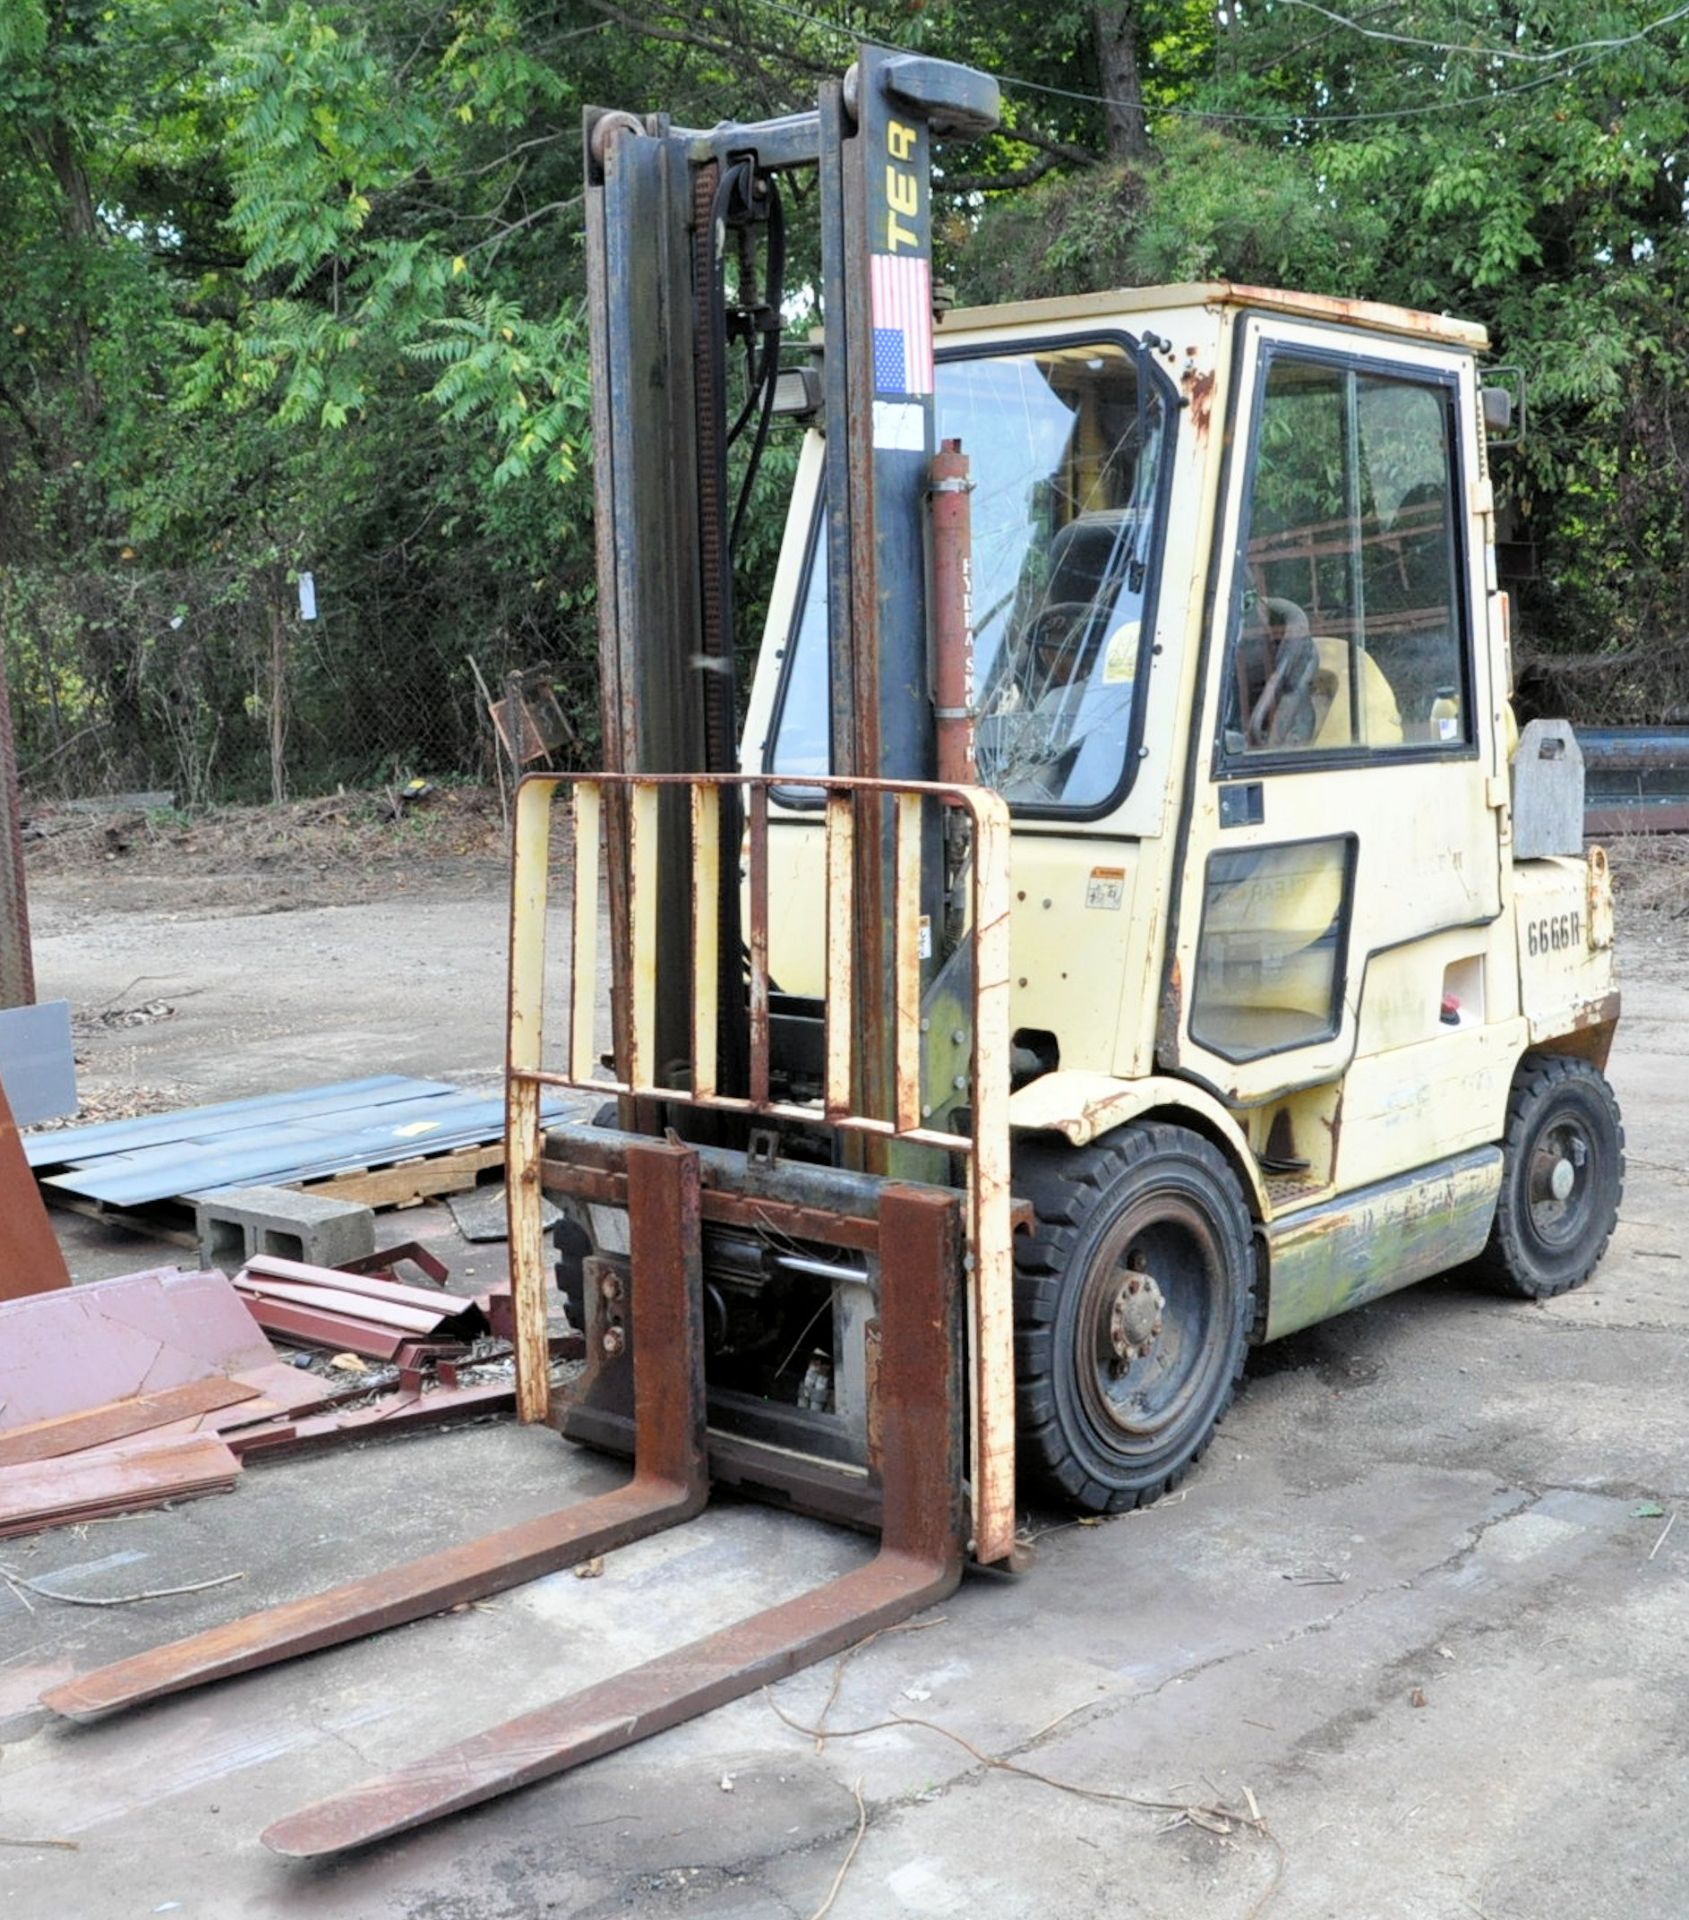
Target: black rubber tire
1162 1199
1540 1246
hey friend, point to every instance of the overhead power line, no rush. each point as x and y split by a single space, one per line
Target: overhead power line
1284 115
1538 56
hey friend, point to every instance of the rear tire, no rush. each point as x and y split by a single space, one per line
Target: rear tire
1134 1297
1562 1179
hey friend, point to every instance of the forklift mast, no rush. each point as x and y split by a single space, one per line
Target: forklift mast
666 206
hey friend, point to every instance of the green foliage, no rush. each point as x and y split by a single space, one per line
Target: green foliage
526 380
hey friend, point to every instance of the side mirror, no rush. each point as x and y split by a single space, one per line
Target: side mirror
1504 407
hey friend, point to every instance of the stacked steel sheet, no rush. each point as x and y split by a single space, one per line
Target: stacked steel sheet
271 1140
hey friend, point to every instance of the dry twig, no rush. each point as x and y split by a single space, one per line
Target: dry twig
64 1846
15 1579
1672 1522
993 1760
826 1906
1217 1819
849 1654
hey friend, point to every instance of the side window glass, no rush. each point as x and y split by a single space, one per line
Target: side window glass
1346 632
1269 958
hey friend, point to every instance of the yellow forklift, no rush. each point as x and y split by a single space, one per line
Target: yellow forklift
1126 929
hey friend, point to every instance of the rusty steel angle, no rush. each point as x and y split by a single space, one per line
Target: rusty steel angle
919 1562
30 1260
670 1484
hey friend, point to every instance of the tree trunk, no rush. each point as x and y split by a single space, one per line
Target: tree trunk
80 227
17 966
1114 36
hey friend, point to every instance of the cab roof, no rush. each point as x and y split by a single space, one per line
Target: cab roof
1373 316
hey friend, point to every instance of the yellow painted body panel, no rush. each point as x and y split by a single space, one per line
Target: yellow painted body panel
1410 1106
1559 970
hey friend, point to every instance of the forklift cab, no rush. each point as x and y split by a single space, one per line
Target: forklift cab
1242 677
1240 674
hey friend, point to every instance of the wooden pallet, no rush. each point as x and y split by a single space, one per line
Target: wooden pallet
168 1220
407 1183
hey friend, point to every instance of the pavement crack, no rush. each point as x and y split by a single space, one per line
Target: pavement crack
1524 1498
345 1740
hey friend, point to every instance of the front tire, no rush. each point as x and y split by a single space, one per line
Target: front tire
1134 1297
1562 1179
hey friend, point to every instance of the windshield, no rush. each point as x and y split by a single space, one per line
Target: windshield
1065 446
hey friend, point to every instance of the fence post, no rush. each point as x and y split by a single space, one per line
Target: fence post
278 692
17 965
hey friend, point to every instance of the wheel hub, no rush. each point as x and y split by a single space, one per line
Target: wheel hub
1562 1179
1135 1317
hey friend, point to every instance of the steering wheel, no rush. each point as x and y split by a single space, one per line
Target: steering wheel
1052 643
1284 715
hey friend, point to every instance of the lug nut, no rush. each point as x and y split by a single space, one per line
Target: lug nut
610 1287
614 1341
1133 1285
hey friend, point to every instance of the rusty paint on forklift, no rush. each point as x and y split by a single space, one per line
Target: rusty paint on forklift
1327 1259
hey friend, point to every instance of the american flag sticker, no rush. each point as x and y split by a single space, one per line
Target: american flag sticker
900 288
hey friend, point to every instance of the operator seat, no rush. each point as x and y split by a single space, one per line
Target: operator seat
1380 713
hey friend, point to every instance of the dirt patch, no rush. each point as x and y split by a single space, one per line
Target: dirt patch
339 848
1650 880
114 1103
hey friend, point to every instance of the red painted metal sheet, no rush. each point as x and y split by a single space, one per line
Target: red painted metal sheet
384 1262
320 1327
415 1323
119 1420
353 1312
284 1393
392 1413
375 1288
52 1493
30 1260
396 1316
112 1339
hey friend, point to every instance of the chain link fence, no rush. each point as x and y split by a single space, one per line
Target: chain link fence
214 685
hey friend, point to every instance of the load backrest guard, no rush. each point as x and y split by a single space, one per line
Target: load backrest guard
950 1087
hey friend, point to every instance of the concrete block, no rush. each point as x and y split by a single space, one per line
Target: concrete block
237 1222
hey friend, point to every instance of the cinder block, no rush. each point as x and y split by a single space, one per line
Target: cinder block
239 1222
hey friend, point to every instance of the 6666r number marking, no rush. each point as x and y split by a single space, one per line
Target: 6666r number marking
1554 934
